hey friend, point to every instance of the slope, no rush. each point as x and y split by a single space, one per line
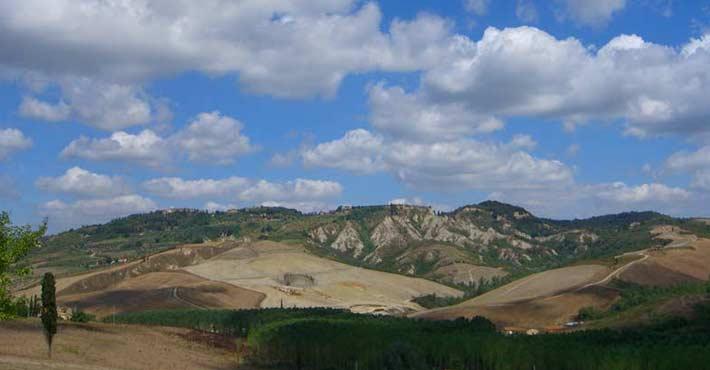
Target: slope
290 276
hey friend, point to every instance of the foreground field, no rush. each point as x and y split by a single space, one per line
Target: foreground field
289 276
103 346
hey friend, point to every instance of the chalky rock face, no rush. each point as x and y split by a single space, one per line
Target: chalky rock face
417 240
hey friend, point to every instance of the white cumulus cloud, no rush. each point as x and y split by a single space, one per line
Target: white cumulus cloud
145 148
107 106
62 215
213 137
175 187
357 151
81 182
462 163
12 140
302 194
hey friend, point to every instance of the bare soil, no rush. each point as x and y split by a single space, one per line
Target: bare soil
162 290
538 313
263 266
672 265
549 298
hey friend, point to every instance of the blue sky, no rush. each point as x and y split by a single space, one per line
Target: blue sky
570 108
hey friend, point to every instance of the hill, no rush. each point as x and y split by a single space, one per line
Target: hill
461 248
632 289
239 275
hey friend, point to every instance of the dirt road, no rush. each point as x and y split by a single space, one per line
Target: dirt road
176 296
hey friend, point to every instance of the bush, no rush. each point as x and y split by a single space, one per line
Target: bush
81 316
590 313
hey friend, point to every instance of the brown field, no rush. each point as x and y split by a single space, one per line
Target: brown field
162 290
544 299
156 282
672 265
263 266
542 284
553 297
229 275
103 278
538 313
105 346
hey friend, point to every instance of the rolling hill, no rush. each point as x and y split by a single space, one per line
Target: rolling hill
459 248
238 275
355 257
665 278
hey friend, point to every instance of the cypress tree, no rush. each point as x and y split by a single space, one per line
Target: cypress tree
49 309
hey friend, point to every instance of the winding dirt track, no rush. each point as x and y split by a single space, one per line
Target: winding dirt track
181 299
619 270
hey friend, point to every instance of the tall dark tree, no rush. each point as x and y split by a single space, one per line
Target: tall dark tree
49 309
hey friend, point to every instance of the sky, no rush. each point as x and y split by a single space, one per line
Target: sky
569 108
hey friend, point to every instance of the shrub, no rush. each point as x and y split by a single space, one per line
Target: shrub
81 316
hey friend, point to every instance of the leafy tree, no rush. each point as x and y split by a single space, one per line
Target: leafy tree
15 243
49 309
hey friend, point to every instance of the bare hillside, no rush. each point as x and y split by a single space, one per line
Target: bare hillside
264 266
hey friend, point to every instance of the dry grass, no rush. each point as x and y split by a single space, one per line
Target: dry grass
536 313
262 266
545 299
672 265
103 346
542 284
162 290
153 283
